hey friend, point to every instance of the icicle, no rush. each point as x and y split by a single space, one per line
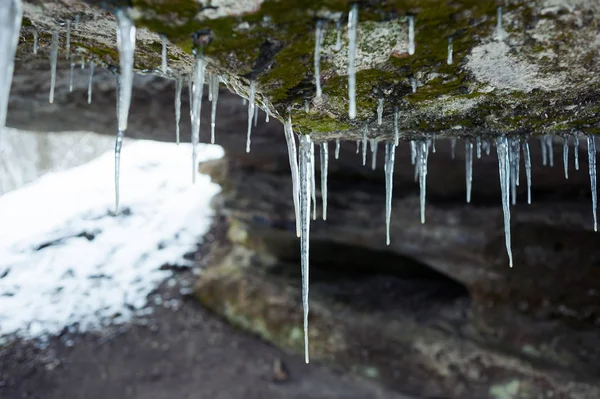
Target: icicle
118 145
82 62
10 26
513 159
352 23
250 115
244 101
213 111
35 41
469 168
413 152
337 148
433 144
313 185
71 68
364 145
304 202
478 143
68 40
390 155
499 24
306 106
544 151
576 149
591 143
549 143
411 34
267 111
53 59
318 41
380 111
423 150
77 19
396 130
357 146
504 172
324 170
374 145
197 92
178 87
413 85
566 155
126 45
449 60
338 40
90 82
210 86
488 147
163 64
255 115
527 156
291 146
453 148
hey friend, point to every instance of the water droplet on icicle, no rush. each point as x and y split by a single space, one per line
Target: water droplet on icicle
53 60
90 83
324 170
178 87
318 42
213 112
411 34
591 143
250 115
390 155
352 24
11 12
293 159
305 186
504 172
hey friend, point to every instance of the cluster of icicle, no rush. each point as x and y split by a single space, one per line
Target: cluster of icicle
302 159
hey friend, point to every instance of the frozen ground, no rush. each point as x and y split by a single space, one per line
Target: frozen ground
65 260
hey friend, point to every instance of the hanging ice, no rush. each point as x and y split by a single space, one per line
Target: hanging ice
504 172
197 92
566 155
118 145
337 148
318 41
411 34
527 157
374 145
380 111
324 170
313 186
413 152
213 111
514 148
90 82
352 24
76 24
390 155
413 85
396 130
478 142
305 168
82 62
364 145
250 115
469 168
35 41
291 146
449 60
255 114
71 69
68 40
453 148
423 154
267 111
549 143
433 144
576 149
163 64
591 143
178 87
544 151
338 40
499 24
53 59
11 12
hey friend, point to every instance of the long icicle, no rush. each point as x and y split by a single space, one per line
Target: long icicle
213 111
576 149
198 91
549 143
513 159
544 151
352 24
566 155
53 59
527 156
504 172
293 159
178 87
126 46
305 168
313 185
11 13
90 82
250 115
390 155
423 154
591 143
318 42
337 148
469 168
324 170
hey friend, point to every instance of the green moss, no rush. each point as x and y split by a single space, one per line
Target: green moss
315 122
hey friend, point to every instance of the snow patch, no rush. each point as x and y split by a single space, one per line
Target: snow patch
65 260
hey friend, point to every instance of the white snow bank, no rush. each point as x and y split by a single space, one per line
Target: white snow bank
65 260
